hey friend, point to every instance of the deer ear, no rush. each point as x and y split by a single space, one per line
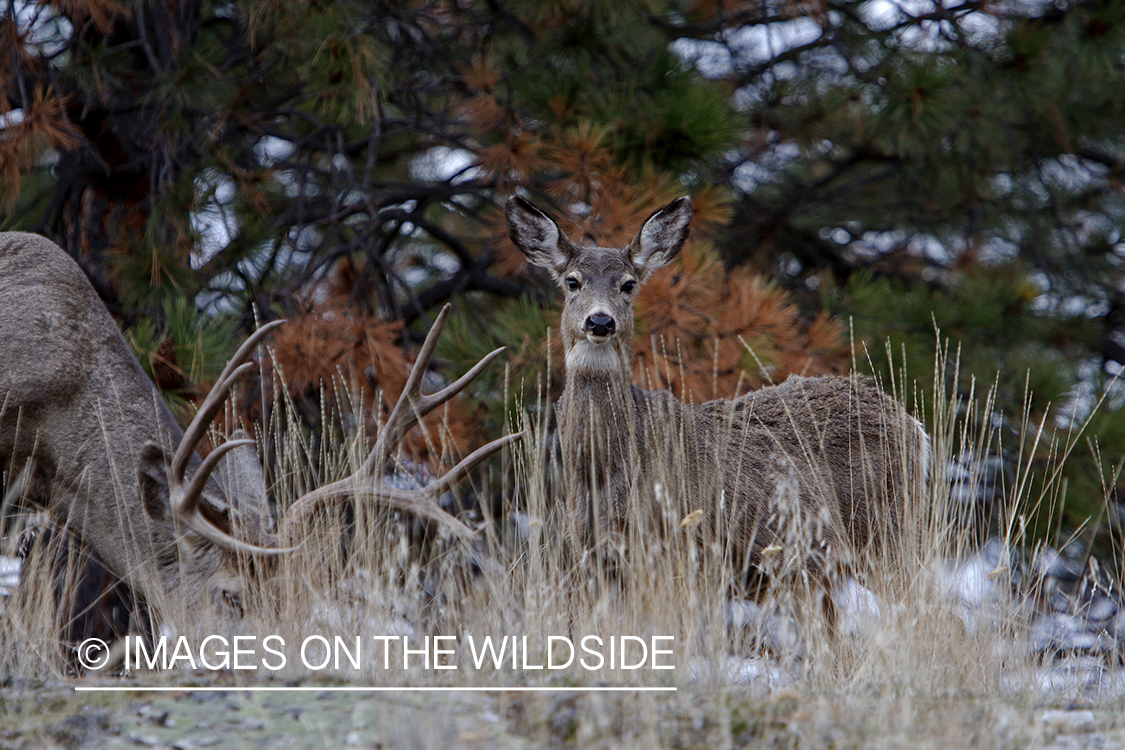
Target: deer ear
537 235
661 237
152 475
244 501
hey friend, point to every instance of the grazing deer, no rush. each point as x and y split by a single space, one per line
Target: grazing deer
807 473
89 437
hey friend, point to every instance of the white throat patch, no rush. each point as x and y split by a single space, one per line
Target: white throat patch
586 355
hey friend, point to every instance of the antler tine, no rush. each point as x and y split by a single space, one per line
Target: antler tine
220 538
215 399
412 405
184 501
190 499
186 508
470 462
399 422
434 400
202 420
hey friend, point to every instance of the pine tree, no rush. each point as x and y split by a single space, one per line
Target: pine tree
342 166
277 165
953 169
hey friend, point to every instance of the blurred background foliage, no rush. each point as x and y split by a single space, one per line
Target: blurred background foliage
861 172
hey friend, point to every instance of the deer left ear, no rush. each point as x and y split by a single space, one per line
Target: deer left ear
661 237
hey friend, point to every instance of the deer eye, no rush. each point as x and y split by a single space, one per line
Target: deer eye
628 286
573 284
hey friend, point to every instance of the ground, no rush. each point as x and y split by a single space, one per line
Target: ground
54 715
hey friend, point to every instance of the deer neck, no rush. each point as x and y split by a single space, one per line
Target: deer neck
600 376
597 411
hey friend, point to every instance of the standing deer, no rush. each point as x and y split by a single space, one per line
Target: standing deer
813 471
89 437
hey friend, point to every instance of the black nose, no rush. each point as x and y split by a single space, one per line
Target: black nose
600 325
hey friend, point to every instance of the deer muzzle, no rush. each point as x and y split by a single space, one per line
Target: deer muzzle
600 328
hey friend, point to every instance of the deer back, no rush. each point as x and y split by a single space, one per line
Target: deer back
821 467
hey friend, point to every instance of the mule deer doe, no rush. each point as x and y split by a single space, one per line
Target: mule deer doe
808 474
89 437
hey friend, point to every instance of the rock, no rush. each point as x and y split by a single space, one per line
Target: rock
983 584
1057 633
9 574
1101 608
1049 563
857 608
81 730
769 628
976 484
1070 721
523 524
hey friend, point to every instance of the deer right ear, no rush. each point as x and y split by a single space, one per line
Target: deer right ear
152 474
536 235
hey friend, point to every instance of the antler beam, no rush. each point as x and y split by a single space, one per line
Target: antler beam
184 496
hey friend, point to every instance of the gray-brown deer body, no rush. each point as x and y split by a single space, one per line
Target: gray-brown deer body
812 471
84 432
81 422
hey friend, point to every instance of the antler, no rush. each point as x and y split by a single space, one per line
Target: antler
367 483
184 499
411 406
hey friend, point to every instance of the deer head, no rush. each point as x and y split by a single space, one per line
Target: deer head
599 284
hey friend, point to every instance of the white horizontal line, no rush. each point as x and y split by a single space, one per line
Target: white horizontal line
354 689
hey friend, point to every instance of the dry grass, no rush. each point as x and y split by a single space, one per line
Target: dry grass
909 675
